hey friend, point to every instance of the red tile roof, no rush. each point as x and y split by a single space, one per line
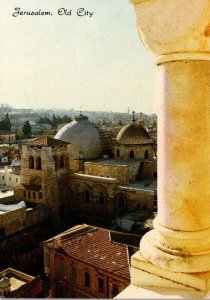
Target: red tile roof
95 247
46 141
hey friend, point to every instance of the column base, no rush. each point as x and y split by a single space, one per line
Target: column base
144 273
135 292
150 281
187 252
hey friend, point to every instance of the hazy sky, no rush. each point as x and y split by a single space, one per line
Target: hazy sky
71 61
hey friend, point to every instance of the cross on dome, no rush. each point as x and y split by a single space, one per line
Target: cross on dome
133 113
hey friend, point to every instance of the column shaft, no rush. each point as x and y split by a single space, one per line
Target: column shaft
184 145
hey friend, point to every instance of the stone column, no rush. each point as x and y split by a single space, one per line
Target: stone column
178 34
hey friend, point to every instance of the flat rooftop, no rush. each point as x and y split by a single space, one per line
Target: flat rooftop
113 162
5 194
16 282
144 184
17 278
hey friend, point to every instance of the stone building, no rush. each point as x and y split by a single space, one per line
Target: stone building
22 229
63 183
7 137
10 175
110 186
16 284
44 175
89 262
75 173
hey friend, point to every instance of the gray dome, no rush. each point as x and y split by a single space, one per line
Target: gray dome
83 137
133 134
16 162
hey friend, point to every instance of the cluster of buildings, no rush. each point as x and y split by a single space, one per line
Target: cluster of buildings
173 260
82 175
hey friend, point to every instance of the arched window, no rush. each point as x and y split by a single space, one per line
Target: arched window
131 154
62 163
146 154
56 162
87 196
38 163
118 153
74 273
101 198
31 162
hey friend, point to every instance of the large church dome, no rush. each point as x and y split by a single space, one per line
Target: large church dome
83 137
133 134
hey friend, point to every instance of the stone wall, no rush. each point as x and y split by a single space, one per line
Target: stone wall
84 196
148 169
122 152
137 198
10 199
12 221
31 289
22 249
16 220
99 198
124 173
7 177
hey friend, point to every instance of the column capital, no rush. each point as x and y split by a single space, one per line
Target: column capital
164 30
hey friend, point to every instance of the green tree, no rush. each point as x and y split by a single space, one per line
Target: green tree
26 129
5 124
44 120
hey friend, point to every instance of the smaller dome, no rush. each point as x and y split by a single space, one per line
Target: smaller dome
133 134
5 282
16 162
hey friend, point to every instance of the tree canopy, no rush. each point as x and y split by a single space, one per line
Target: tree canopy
26 129
5 124
55 120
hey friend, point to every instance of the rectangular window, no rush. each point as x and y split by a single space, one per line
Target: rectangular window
34 195
61 268
29 195
16 180
3 177
100 285
9 178
87 279
47 260
115 290
40 195
74 273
